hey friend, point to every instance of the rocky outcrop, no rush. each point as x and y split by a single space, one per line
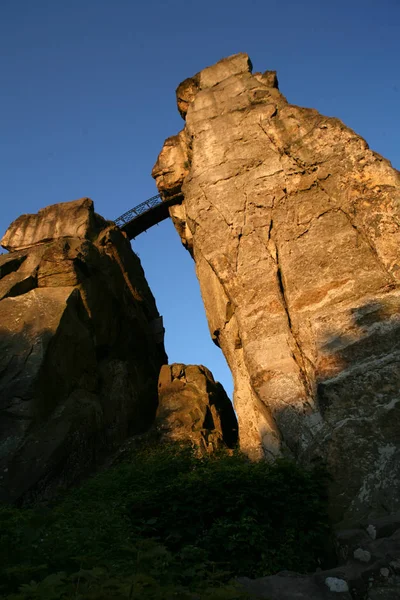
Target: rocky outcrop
79 349
369 568
69 219
194 408
294 225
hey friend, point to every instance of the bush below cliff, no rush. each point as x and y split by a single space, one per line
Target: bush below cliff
166 525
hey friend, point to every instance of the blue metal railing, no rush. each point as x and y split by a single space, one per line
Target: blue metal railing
138 210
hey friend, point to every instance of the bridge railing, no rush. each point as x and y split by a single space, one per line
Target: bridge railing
138 210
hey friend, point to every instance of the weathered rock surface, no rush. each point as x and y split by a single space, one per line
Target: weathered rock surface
294 225
369 568
69 219
79 353
194 408
293 586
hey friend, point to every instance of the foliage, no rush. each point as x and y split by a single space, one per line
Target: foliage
166 525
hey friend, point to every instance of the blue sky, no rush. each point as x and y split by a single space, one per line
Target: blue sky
88 97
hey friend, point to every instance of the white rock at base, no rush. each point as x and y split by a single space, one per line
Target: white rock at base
336 585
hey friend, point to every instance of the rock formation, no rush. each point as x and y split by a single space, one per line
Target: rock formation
294 225
80 348
368 569
194 408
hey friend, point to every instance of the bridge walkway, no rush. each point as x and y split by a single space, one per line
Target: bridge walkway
145 215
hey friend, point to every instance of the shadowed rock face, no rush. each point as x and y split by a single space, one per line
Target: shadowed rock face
194 408
368 568
294 225
79 359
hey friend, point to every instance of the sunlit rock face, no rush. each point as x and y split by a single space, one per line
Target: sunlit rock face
294 225
193 408
79 350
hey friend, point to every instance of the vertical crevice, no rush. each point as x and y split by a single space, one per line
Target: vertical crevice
296 350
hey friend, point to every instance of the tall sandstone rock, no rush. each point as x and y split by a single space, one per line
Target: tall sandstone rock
194 408
79 349
294 225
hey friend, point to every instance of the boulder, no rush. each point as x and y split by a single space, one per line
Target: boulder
369 569
79 359
294 586
194 408
294 226
70 219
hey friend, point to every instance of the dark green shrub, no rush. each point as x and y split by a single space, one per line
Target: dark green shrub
253 518
166 523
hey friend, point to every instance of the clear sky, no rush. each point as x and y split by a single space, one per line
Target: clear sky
87 98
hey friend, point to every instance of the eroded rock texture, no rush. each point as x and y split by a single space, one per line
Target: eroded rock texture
79 351
368 569
194 408
294 225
